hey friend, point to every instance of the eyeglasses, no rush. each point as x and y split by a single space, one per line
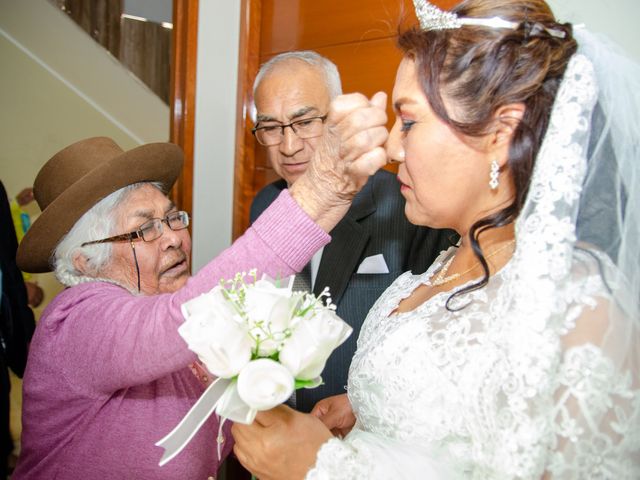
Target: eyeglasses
270 135
150 230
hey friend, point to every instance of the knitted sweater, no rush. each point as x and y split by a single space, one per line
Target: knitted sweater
107 375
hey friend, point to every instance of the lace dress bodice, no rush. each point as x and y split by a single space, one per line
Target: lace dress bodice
474 394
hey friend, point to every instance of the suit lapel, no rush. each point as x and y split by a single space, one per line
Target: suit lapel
348 240
340 257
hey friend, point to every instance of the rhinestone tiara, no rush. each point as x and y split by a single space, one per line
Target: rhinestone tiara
432 18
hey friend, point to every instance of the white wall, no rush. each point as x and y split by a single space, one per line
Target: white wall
214 151
618 19
58 86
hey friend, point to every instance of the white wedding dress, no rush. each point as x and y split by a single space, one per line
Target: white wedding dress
441 394
539 374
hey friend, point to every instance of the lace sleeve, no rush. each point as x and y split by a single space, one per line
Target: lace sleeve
337 459
596 416
367 455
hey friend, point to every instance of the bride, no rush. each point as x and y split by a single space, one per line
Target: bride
516 354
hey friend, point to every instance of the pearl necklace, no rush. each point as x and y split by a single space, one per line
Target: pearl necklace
440 279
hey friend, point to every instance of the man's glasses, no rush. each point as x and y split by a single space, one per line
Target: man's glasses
270 135
150 230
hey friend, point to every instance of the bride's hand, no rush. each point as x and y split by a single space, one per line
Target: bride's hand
349 151
280 443
336 413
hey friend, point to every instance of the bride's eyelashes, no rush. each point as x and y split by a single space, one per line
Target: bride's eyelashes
406 125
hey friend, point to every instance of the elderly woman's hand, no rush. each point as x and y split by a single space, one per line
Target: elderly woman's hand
350 151
280 443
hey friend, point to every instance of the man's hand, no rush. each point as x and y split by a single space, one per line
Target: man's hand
280 444
349 152
25 197
35 295
336 413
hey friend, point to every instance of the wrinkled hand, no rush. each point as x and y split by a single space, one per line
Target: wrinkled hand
336 413
349 152
25 196
35 294
280 444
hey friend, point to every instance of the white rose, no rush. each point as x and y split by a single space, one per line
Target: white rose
269 309
306 352
264 383
215 333
212 301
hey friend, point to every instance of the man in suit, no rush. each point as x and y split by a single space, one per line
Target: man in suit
16 324
374 243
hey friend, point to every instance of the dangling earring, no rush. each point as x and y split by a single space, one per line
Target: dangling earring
493 175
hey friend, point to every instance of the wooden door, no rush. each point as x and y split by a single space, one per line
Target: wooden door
357 35
183 95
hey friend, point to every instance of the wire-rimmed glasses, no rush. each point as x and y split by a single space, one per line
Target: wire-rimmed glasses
150 230
270 135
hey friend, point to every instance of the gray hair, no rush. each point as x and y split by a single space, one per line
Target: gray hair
99 222
328 68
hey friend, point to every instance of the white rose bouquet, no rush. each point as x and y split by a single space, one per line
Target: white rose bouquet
262 341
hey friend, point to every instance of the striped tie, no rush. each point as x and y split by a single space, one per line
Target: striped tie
301 283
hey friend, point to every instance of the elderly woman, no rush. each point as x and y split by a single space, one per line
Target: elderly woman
515 355
108 375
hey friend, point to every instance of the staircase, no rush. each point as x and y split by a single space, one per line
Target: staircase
142 46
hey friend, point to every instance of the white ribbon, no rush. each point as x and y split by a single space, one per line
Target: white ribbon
222 397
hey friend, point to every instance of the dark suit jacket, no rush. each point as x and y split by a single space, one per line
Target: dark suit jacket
16 323
16 317
374 224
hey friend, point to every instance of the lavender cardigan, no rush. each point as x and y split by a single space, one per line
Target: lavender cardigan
107 375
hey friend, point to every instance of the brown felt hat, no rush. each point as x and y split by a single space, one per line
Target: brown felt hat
78 177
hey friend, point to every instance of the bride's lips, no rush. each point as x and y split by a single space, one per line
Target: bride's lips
403 186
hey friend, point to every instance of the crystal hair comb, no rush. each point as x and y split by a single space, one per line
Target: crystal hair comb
432 18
